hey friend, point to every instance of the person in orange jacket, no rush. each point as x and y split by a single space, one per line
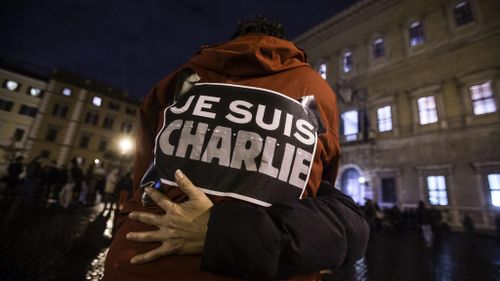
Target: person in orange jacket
193 233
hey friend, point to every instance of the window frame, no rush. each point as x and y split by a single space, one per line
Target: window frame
84 142
491 98
445 170
437 190
454 13
354 136
99 101
48 135
374 48
391 118
6 105
422 30
427 110
23 134
490 190
322 72
18 85
106 120
345 70
39 95
435 90
27 110
67 91
465 82
60 110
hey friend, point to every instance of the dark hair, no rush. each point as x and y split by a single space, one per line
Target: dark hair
259 24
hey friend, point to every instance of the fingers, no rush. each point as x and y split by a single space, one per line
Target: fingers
148 256
159 199
147 218
155 254
145 236
187 186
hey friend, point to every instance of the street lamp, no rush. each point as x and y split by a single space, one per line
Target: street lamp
125 145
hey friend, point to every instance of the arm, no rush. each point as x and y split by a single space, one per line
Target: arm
286 239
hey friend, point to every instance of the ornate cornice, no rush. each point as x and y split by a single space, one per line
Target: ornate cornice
342 21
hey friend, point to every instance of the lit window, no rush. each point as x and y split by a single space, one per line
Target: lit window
11 85
35 92
436 186
494 186
416 33
350 124
384 118
67 92
463 13
322 70
347 62
482 98
97 101
378 48
427 110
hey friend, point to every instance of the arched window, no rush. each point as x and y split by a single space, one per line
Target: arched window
353 184
347 61
378 48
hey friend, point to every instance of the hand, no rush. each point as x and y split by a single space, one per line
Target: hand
181 230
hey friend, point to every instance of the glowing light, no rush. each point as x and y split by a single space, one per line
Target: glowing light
12 85
361 180
35 92
97 101
97 161
67 92
126 145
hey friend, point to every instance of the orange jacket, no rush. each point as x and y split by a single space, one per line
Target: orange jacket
252 60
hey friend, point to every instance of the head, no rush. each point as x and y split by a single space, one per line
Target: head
259 25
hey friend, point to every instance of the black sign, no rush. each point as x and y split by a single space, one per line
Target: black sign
243 142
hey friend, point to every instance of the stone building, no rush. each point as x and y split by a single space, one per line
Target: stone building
418 85
20 97
72 118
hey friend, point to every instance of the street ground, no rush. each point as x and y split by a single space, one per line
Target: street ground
48 243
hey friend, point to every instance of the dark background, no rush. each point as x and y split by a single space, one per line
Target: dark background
133 44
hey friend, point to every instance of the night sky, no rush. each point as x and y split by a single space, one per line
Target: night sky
133 44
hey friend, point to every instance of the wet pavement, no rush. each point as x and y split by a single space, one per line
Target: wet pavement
454 257
50 243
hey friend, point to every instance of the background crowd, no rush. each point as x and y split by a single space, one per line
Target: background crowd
69 185
37 182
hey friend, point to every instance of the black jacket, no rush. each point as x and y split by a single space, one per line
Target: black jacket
284 240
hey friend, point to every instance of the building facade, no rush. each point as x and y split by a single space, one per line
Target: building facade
73 118
418 85
20 97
